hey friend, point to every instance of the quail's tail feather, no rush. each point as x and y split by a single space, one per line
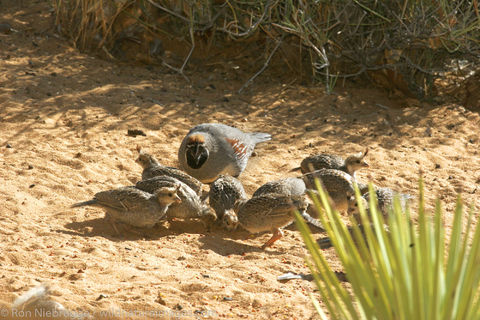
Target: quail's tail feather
85 203
261 136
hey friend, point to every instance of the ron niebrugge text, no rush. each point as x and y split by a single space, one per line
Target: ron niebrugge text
41 313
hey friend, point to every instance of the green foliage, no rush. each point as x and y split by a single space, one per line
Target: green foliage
400 271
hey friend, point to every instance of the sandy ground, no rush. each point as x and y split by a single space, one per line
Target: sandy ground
64 118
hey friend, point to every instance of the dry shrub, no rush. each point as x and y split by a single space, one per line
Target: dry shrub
402 45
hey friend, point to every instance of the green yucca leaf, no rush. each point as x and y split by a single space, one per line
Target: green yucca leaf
401 271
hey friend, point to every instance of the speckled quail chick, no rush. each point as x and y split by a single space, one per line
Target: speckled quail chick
385 198
190 207
269 212
224 192
287 187
338 184
133 206
152 168
211 149
329 161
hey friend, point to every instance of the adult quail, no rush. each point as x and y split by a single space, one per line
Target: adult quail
330 161
211 149
224 192
190 206
152 168
133 206
338 184
269 212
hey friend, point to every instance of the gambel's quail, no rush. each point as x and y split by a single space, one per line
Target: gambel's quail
338 184
331 161
211 149
285 186
190 206
385 198
224 192
134 206
288 187
152 168
268 212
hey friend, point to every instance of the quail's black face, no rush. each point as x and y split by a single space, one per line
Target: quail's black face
196 154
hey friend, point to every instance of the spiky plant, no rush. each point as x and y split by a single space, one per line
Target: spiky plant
399 271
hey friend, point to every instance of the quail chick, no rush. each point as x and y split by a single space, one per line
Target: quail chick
385 198
329 161
211 149
133 206
268 212
338 184
190 206
152 168
286 186
224 192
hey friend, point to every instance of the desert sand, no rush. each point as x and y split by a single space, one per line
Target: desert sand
64 117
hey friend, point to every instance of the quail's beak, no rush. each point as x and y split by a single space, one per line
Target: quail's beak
197 152
177 199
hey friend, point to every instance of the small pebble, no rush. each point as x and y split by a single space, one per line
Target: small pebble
227 299
5 28
437 166
32 185
8 145
308 128
101 296
30 167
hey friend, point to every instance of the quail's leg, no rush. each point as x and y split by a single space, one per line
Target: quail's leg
277 234
112 223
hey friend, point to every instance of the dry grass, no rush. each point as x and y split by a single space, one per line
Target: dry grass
403 45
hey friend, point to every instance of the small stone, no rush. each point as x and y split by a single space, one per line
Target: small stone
308 128
437 166
30 167
32 185
8 145
227 299
178 307
135 132
5 28
101 296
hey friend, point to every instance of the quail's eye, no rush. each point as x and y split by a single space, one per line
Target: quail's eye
170 194
358 161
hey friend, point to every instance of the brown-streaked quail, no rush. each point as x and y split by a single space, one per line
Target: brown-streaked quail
338 184
133 206
223 194
269 212
288 187
385 197
152 168
330 161
190 207
285 186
